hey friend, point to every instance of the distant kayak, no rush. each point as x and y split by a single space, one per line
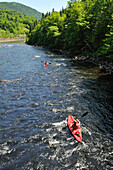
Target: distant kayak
45 64
76 132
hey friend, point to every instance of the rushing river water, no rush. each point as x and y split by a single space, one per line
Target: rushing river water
35 103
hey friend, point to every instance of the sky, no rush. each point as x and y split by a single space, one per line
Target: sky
42 6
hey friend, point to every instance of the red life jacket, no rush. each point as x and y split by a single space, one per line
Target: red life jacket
45 64
76 125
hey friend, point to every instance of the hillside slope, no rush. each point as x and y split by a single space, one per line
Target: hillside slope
13 24
23 9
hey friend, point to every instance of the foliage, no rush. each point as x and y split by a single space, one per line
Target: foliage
23 9
13 24
107 48
82 28
49 31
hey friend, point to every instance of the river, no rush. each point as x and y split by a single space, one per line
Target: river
35 102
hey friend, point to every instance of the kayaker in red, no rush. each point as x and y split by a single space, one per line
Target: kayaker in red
45 64
75 124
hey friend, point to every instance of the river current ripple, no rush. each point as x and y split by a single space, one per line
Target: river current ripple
35 102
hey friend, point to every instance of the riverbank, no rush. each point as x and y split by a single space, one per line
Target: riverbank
105 64
15 39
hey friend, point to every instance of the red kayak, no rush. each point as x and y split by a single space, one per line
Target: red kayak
76 132
45 64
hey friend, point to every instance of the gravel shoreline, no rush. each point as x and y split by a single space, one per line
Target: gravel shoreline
18 39
105 64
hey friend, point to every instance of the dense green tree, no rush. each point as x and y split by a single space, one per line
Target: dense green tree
14 24
84 27
107 48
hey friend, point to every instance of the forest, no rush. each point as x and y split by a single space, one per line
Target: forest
14 24
84 28
20 8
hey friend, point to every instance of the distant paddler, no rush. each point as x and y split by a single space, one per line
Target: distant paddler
45 63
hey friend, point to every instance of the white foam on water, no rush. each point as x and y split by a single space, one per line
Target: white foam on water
70 108
84 129
57 64
53 142
5 150
37 56
59 123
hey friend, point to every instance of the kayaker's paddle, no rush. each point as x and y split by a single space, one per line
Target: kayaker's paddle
84 114
44 62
